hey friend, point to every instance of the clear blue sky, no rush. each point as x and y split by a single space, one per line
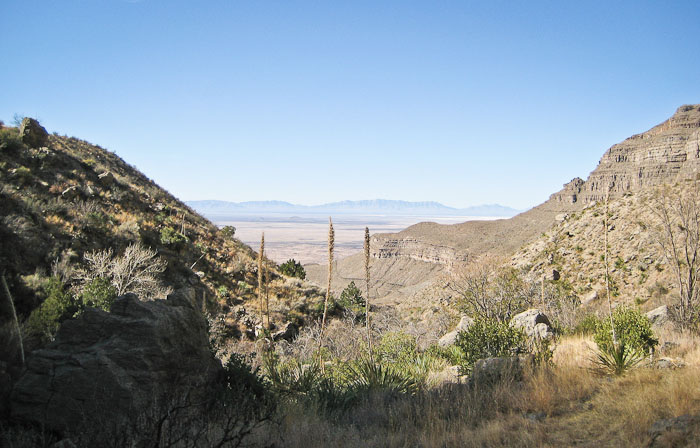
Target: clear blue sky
458 102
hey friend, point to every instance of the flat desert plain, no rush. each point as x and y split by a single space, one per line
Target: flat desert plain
305 238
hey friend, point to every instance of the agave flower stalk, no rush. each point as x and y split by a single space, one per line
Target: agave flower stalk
369 331
331 245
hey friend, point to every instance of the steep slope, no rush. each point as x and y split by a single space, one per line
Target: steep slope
62 198
665 154
575 248
655 157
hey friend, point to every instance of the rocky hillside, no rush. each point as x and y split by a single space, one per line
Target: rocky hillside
655 157
573 251
62 198
405 264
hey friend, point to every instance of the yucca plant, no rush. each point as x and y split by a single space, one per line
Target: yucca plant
293 378
617 359
366 375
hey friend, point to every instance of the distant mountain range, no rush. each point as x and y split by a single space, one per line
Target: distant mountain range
375 206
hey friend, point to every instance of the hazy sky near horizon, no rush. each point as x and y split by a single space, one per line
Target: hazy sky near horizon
458 102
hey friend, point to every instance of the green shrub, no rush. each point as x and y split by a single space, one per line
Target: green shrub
396 347
23 175
223 292
620 264
244 287
228 232
58 306
587 325
351 299
452 354
293 268
172 238
487 338
98 293
9 140
632 329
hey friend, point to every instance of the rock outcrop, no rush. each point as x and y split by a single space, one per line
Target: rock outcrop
287 333
104 365
493 370
658 316
32 133
449 339
664 154
414 249
534 323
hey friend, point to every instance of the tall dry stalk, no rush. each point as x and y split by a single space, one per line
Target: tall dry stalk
14 316
267 296
369 331
607 266
261 279
331 245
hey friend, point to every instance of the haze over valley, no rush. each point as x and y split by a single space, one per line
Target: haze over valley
301 232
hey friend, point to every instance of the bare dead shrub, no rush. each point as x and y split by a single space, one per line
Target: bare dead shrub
135 271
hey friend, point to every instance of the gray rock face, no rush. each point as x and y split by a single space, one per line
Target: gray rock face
32 133
658 316
675 432
287 333
107 179
669 363
110 364
492 370
451 337
590 297
534 323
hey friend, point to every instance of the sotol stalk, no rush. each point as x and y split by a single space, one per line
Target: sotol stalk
331 244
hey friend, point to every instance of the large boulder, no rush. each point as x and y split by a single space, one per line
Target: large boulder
103 365
658 316
32 133
534 323
449 338
493 370
287 333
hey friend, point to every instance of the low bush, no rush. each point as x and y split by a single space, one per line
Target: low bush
228 232
9 140
172 238
587 325
632 329
396 347
352 303
98 293
293 268
59 305
487 338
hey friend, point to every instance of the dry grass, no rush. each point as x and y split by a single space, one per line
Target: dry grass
574 351
683 345
567 404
